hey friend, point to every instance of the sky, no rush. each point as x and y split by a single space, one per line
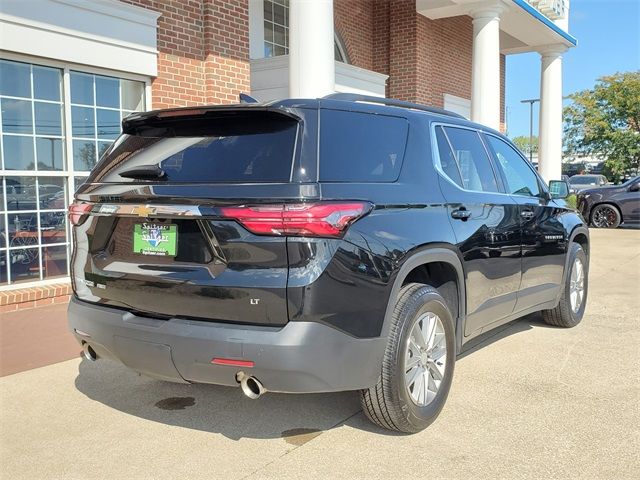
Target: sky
608 33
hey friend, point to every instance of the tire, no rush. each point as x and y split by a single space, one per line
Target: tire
566 314
605 215
389 403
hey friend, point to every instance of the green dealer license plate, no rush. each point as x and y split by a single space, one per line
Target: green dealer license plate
155 239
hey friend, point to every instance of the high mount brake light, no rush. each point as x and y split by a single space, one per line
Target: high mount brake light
181 113
78 212
302 219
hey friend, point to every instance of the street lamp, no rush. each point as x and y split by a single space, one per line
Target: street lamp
530 101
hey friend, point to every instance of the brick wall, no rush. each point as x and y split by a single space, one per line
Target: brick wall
203 51
424 58
226 45
381 32
25 298
355 26
403 50
427 58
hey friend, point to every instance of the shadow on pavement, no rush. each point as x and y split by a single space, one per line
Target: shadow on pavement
213 408
517 326
224 410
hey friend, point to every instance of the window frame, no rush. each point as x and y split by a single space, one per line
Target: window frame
544 191
273 23
69 172
437 162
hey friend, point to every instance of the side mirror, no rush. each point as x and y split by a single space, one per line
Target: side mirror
558 189
635 187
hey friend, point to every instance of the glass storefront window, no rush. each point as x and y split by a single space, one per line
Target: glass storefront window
44 156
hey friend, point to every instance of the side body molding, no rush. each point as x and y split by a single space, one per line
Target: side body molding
422 257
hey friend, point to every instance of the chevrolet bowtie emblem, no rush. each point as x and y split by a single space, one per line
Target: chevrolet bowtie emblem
143 211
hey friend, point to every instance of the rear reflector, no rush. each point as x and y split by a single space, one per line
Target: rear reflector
233 363
325 219
78 212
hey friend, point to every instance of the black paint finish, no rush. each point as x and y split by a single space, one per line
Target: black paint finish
511 262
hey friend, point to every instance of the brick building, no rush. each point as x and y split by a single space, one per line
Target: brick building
71 69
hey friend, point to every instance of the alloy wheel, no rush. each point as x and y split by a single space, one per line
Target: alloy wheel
604 217
576 285
425 358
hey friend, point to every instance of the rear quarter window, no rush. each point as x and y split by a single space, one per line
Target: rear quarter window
361 147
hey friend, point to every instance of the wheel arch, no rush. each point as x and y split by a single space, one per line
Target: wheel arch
579 235
412 270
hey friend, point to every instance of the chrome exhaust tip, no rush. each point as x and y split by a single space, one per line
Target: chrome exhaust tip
252 387
88 352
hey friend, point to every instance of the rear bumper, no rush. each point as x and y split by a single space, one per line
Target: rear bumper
301 357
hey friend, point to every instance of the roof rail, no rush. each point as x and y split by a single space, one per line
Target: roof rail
391 102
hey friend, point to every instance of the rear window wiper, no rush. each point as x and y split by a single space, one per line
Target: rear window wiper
144 172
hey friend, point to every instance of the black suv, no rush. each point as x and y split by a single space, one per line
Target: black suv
343 243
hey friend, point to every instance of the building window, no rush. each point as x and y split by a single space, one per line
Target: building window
51 136
276 31
98 104
276 27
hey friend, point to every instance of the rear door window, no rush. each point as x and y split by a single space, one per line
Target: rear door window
361 147
473 163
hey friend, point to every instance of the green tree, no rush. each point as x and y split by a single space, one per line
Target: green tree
605 122
526 146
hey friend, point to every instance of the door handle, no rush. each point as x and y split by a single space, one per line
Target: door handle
527 214
461 214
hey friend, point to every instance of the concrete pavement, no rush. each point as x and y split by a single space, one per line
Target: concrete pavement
528 401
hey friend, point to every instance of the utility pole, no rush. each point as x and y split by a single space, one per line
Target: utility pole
530 101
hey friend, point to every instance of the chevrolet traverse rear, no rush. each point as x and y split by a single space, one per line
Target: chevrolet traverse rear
304 246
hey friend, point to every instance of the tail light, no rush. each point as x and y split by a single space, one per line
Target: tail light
78 212
326 219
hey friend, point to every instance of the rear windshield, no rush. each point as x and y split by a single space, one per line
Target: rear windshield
584 180
361 147
241 149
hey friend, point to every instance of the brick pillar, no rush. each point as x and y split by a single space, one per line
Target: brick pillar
381 38
226 50
403 55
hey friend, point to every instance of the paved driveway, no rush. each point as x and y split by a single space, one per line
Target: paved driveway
528 401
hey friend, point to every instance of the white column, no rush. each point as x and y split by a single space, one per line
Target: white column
550 130
485 69
311 58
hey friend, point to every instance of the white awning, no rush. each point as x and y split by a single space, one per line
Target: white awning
523 27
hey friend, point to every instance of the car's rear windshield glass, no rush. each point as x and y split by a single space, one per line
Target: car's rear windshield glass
227 150
361 147
583 180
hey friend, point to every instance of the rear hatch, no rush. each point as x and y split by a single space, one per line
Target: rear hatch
165 224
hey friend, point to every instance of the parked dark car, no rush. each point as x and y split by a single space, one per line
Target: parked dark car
608 207
582 182
571 169
345 243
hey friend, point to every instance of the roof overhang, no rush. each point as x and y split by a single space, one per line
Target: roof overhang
523 28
